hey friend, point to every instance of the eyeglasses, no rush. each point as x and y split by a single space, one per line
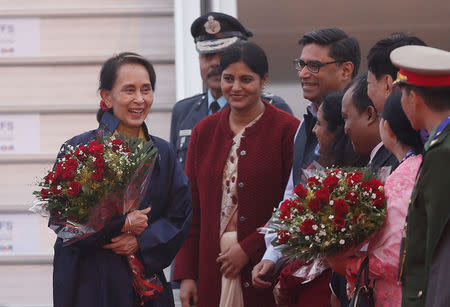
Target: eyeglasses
313 66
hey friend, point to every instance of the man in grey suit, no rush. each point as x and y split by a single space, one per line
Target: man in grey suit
213 33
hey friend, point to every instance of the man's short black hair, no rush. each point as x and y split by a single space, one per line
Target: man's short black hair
378 59
436 98
342 47
360 99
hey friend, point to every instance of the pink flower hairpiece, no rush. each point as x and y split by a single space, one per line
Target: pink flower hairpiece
103 105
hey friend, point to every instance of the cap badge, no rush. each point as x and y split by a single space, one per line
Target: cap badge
212 26
401 77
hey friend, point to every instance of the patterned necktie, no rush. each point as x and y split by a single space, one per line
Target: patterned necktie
214 107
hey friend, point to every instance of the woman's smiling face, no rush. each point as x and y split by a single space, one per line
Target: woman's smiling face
241 86
325 137
131 97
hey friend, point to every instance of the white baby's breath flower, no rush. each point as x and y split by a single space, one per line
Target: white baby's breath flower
322 226
317 239
331 202
315 227
331 217
295 229
373 196
307 238
327 243
343 229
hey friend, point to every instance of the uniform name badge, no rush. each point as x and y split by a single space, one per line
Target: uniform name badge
186 132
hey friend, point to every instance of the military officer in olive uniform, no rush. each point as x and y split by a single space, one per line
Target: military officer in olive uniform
213 33
424 79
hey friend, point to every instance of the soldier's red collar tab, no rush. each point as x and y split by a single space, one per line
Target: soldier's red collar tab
404 76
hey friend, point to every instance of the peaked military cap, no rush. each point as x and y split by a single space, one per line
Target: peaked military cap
422 65
214 32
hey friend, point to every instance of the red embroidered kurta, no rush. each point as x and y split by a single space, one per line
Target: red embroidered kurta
265 160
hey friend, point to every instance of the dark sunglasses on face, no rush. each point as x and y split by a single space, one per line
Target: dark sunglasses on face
313 66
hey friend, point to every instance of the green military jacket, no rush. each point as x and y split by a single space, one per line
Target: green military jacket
428 214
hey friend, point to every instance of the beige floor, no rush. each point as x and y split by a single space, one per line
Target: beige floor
30 286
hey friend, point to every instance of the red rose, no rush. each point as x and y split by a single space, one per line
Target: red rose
283 236
68 174
117 142
285 215
71 164
49 178
312 181
307 227
340 207
287 205
323 194
339 222
300 191
81 153
371 185
352 198
300 207
314 205
354 178
126 149
98 174
45 193
58 172
379 199
99 162
56 190
97 150
74 188
331 182
93 143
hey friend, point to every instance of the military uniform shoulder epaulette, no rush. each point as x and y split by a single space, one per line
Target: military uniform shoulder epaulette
195 97
189 102
440 137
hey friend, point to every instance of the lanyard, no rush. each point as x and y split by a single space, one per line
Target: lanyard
409 153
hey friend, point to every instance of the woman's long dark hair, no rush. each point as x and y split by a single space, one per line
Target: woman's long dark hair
341 149
393 113
108 74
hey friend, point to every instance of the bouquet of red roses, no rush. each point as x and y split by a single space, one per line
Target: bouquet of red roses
90 184
337 209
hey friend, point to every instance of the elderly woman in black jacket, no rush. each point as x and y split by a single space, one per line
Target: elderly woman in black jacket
94 271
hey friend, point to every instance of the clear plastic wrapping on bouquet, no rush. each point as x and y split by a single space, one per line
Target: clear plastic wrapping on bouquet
311 270
112 205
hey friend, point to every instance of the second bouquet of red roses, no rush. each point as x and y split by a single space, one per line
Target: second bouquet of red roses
337 209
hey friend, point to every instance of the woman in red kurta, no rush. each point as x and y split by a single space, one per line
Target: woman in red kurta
238 164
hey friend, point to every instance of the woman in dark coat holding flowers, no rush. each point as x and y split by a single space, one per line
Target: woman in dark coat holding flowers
94 271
